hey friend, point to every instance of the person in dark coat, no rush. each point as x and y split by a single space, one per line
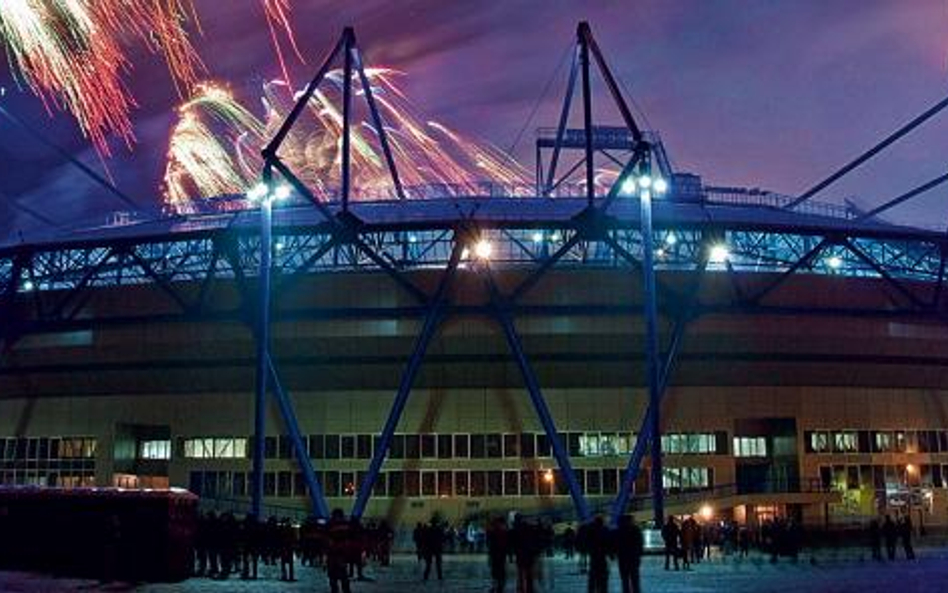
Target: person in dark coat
249 547
523 541
875 539
498 543
599 548
433 547
905 534
569 543
418 536
890 534
629 545
671 534
337 552
287 550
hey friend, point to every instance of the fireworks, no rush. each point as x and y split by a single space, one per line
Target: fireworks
214 148
70 55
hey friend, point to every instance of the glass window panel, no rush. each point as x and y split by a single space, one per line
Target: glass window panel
396 484
412 447
445 483
495 483
512 483
397 448
445 446
461 445
461 483
493 444
347 446
428 446
364 446
332 446
593 482
511 445
528 483
478 483
412 483
429 483
316 446
528 445
478 446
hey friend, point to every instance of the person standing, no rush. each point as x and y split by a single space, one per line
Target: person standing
569 543
599 549
337 552
629 545
498 543
689 541
890 534
905 534
433 548
418 536
670 535
523 542
875 539
249 547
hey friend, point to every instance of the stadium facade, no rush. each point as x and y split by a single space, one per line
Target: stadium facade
502 336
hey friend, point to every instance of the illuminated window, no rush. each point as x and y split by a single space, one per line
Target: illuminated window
845 442
750 447
589 444
686 478
155 449
215 448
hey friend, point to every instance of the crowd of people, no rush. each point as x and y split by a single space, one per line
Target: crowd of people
891 532
515 545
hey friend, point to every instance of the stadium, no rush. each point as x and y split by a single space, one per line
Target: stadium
561 347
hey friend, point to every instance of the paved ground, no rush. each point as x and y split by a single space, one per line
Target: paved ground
831 573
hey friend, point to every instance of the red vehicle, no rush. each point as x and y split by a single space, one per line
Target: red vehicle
102 533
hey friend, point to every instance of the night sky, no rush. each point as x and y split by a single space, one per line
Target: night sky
754 93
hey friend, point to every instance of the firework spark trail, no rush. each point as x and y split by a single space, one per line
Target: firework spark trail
278 17
214 149
69 54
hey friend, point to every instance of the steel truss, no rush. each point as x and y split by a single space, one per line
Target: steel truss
44 287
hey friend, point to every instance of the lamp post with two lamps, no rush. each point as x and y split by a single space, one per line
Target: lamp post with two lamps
645 187
264 194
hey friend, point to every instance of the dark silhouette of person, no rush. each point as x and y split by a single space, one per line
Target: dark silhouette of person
629 545
227 544
201 546
569 543
905 534
743 541
213 544
524 543
337 552
418 536
498 544
386 537
249 547
875 539
287 550
670 535
890 534
599 548
433 547
689 540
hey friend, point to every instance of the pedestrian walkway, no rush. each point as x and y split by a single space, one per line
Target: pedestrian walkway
839 571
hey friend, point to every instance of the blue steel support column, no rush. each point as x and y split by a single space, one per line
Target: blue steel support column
652 363
316 495
429 328
539 402
263 348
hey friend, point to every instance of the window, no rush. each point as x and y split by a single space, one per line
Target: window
445 446
528 483
511 483
461 483
511 445
364 446
845 442
215 448
284 484
412 483
461 448
412 446
593 482
528 445
428 446
478 483
493 445
495 483
478 446
686 478
396 484
348 483
445 483
543 446
883 442
331 450
316 446
347 446
154 449
750 447
689 443
285 447
397 448
429 482
589 444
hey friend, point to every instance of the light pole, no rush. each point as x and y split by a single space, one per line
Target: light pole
646 187
265 195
